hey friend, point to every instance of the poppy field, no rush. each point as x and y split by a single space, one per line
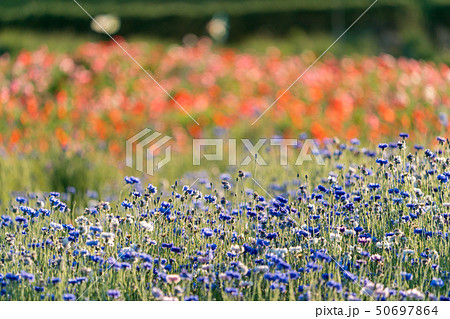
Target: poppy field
370 223
97 97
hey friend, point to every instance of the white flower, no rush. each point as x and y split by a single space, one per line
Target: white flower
335 237
246 284
280 252
415 294
383 244
173 279
332 179
109 238
263 268
208 267
168 298
148 226
313 241
114 223
242 268
350 232
205 259
223 276
81 220
236 249
56 226
295 250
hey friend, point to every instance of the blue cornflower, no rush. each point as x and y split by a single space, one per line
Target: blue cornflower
231 291
113 293
442 178
323 256
382 146
21 200
132 180
176 250
92 243
271 236
404 135
429 153
39 288
12 277
350 276
440 139
207 232
373 186
27 276
21 219
334 285
127 204
406 276
381 161
69 297
437 282
358 229
96 229
152 189
191 298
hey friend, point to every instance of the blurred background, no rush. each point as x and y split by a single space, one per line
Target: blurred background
70 98
411 28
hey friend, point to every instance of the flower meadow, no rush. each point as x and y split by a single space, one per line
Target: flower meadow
370 224
96 97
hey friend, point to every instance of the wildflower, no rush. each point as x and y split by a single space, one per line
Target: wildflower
92 243
207 232
406 276
21 200
415 294
12 277
335 285
132 180
437 282
148 226
27 276
69 297
191 298
231 291
113 293
168 298
441 140
262 269
173 279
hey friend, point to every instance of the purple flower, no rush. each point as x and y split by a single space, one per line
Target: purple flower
69 297
113 293
132 180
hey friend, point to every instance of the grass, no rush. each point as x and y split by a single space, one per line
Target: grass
255 252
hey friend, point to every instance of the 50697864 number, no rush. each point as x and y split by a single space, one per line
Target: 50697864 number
406 310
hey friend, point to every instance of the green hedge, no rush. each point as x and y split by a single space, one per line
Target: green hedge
174 18
13 10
